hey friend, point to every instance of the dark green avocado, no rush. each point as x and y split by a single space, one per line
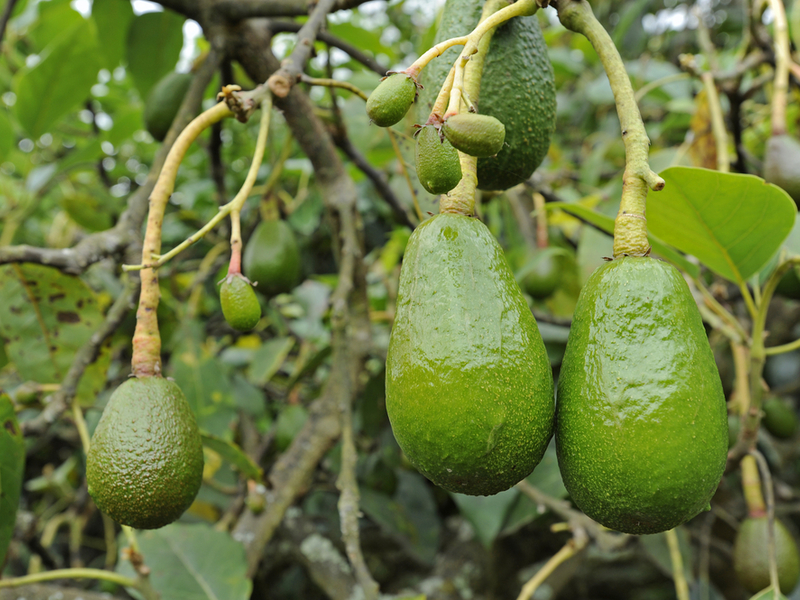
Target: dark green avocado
517 88
145 463
641 423
271 259
163 103
469 390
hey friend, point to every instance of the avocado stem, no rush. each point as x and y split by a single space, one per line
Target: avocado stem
630 226
772 553
751 487
461 199
781 86
146 359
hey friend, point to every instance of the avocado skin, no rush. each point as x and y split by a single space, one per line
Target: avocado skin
145 463
751 555
164 102
239 303
469 389
517 88
438 167
641 423
271 259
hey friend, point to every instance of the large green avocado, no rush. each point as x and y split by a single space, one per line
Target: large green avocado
469 390
641 424
164 102
145 463
517 88
271 259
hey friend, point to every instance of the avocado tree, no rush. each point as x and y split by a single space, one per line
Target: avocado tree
347 299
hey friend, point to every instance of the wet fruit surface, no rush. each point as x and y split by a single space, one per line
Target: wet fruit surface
145 464
468 383
641 420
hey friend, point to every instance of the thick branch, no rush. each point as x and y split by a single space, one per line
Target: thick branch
237 10
6 16
282 81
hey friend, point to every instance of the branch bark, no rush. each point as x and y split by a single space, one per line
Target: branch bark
238 10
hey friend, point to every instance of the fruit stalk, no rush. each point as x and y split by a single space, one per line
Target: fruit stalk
630 226
751 487
781 87
146 359
461 200
763 468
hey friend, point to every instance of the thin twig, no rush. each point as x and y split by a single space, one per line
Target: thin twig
769 496
678 576
570 549
238 10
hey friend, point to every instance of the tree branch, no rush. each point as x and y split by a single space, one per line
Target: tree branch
6 16
237 10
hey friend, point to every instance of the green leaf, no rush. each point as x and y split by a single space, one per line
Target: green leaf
45 318
606 223
409 517
268 359
6 134
288 424
113 20
54 17
60 81
153 47
192 562
486 513
234 455
731 223
12 465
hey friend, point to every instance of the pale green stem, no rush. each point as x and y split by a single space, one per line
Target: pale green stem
782 59
717 123
772 553
678 576
630 226
80 424
68 574
646 89
570 549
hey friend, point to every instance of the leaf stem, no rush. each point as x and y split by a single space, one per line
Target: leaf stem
782 59
751 487
68 574
630 226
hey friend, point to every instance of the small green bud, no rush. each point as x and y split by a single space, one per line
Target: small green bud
390 101
476 135
438 167
239 303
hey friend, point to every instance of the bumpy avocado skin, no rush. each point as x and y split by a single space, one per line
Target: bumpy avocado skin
271 258
469 390
145 464
239 303
517 87
641 424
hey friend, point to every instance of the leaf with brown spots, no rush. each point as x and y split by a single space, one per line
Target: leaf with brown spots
12 465
45 318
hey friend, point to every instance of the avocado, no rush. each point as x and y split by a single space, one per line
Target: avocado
145 463
271 258
438 166
239 303
781 164
641 422
780 418
476 135
517 88
751 555
389 102
469 390
163 103
541 274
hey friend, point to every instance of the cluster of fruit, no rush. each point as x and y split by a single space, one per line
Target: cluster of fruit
640 424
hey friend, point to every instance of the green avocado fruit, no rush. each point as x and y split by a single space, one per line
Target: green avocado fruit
438 166
517 88
145 463
164 101
541 273
239 303
389 102
641 422
469 390
476 135
781 162
751 555
271 259
779 418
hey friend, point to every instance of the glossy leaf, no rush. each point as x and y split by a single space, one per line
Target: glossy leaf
234 455
60 81
606 223
45 318
268 359
486 513
153 47
731 223
192 562
12 466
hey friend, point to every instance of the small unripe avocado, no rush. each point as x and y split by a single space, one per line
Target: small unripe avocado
239 303
780 164
469 390
641 421
390 101
751 555
145 463
780 418
271 259
163 103
476 135
541 274
438 166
